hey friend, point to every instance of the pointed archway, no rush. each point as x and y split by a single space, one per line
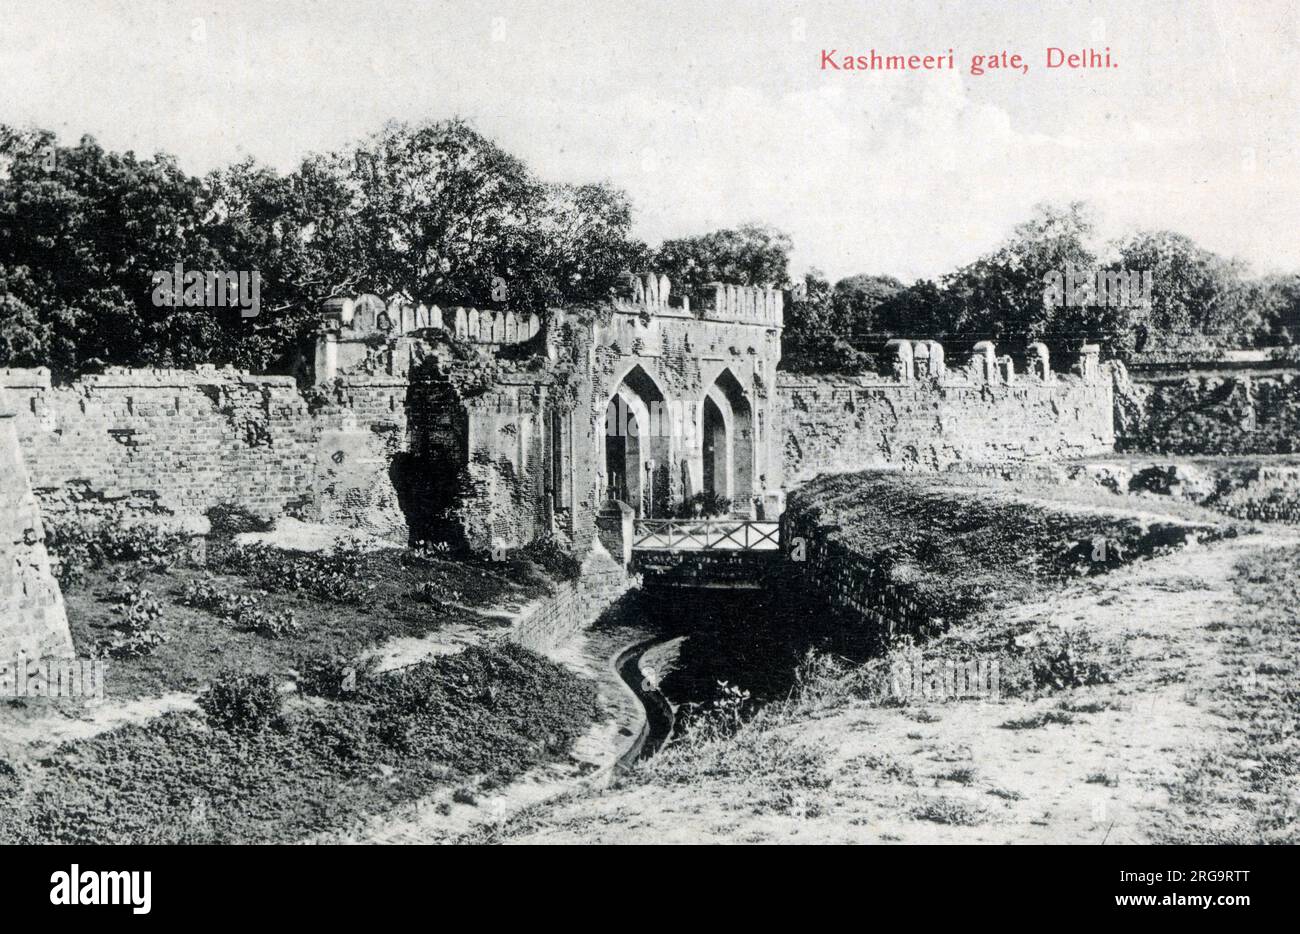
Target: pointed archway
728 442
636 445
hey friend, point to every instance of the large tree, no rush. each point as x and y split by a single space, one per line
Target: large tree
856 301
1198 298
751 254
434 211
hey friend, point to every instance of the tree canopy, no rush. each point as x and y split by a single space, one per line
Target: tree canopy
439 213
433 211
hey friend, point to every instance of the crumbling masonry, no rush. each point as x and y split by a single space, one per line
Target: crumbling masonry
491 429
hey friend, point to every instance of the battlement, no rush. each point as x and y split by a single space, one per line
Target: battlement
352 328
367 316
908 361
742 304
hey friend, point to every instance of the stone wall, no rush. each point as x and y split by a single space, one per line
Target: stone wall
131 444
574 606
832 425
33 622
1200 413
850 581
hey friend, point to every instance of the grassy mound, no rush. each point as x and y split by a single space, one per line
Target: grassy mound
957 549
497 711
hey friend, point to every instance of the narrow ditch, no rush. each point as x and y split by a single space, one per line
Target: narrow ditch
753 640
659 712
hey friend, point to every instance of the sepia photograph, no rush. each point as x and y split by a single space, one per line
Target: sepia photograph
774 422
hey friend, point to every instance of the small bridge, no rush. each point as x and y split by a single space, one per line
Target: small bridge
706 535
707 553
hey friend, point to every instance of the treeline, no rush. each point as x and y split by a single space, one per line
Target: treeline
439 213
1199 303
434 211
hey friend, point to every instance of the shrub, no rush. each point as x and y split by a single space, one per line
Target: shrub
240 702
139 619
1068 658
946 810
425 553
134 645
228 520
703 505
554 556
718 718
332 575
137 609
333 676
271 625
102 543
241 610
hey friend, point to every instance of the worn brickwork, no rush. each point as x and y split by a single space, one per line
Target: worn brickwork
1198 413
33 622
840 424
414 429
852 581
133 443
574 606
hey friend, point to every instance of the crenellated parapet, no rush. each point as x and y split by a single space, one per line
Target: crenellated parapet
905 361
649 291
352 327
748 304
367 316
720 301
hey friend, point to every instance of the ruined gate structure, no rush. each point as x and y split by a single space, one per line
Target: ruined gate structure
489 428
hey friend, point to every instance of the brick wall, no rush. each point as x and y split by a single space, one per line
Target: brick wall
832 425
136 443
33 622
574 606
851 581
1229 413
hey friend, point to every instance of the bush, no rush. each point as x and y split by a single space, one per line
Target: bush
139 619
497 710
271 625
333 575
228 520
241 610
239 702
78 546
333 676
553 556
1068 658
702 506
134 645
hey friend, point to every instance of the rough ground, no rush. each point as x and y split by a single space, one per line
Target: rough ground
1115 768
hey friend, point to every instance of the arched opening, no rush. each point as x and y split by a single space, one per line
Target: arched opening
637 454
728 442
716 471
622 452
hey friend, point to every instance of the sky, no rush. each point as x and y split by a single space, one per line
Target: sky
711 114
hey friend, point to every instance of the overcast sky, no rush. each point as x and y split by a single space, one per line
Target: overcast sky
713 113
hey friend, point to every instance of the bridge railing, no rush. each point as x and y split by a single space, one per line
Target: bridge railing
706 535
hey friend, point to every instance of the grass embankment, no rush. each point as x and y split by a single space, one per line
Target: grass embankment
341 602
1247 788
1142 700
963 544
266 764
316 766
